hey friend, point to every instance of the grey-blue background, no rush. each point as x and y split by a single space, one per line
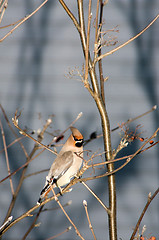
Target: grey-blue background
33 64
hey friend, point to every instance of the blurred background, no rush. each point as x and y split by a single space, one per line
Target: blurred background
34 62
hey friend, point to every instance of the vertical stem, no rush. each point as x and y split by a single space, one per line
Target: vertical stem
110 167
106 132
87 43
99 53
6 155
107 143
99 100
96 24
82 33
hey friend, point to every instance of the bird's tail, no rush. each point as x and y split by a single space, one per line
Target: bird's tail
46 189
44 193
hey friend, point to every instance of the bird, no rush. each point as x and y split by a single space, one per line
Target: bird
66 165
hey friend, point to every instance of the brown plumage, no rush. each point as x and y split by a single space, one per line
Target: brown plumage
67 163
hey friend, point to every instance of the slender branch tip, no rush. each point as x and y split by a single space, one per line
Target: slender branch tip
84 203
154 107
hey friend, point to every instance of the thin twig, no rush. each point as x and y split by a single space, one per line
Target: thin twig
12 24
30 159
127 42
2 9
57 200
14 133
149 200
59 234
33 223
6 157
130 120
96 27
100 52
88 39
12 143
54 208
70 125
36 173
98 199
21 131
88 218
70 14
23 20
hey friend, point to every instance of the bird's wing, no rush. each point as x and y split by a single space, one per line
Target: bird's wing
61 164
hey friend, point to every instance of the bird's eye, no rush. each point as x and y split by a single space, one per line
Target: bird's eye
79 143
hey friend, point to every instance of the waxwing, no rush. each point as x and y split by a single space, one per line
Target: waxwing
66 164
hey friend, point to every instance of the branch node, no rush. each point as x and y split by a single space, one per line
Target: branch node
149 196
37 225
84 203
29 215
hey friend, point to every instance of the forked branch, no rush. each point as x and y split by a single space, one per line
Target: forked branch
23 20
149 200
127 42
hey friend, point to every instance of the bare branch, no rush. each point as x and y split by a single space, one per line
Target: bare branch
88 39
59 234
21 131
70 14
3 7
98 199
33 224
74 121
6 156
149 200
100 52
88 218
96 26
9 124
127 42
72 223
23 166
130 120
12 24
12 143
23 20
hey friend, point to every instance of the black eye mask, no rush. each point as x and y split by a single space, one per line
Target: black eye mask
78 142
